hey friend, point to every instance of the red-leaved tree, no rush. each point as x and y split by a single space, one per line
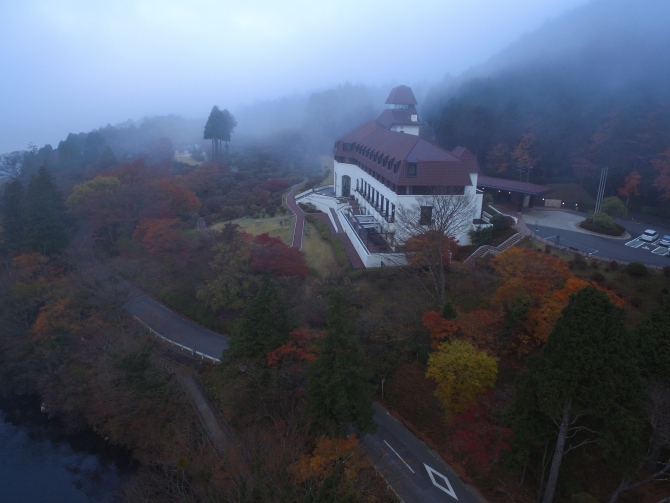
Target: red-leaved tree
477 433
271 256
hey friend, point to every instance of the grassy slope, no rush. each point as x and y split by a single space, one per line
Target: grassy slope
261 225
319 253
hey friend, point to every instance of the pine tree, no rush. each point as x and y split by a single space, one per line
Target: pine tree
12 215
264 326
653 337
587 383
44 215
218 128
337 391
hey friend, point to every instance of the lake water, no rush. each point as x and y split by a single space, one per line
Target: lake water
39 462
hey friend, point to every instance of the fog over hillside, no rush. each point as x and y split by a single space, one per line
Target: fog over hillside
586 91
601 46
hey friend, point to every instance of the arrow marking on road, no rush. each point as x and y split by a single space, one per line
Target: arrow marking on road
410 468
449 491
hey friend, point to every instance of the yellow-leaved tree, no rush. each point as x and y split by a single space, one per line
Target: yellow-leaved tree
462 372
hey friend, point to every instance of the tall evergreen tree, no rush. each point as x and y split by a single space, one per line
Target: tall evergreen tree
586 383
218 128
337 391
653 336
44 215
12 215
264 326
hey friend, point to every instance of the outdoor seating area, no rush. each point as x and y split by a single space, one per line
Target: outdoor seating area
369 231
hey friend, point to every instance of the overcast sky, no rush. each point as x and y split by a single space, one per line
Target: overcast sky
71 66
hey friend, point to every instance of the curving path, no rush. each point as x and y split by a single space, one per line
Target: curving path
174 327
298 230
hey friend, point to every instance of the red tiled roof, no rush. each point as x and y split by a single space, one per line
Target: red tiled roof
390 118
360 132
401 95
468 157
532 189
435 166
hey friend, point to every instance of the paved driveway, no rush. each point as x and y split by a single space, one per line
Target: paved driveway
561 227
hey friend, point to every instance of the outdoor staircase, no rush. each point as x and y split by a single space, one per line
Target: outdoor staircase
484 250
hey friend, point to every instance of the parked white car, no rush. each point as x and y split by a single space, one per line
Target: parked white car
649 236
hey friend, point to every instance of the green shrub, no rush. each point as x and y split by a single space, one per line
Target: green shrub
501 222
614 207
614 265
480 235
578 262
666 271
597 277
604 220
193 309
602 224
338 246
637 269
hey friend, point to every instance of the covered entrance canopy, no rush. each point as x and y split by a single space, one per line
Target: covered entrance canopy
524 192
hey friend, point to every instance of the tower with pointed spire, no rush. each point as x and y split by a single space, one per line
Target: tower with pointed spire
401 115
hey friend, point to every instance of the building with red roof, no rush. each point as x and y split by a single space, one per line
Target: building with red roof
384 165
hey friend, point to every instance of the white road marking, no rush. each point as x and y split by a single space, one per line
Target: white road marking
449 490
410 468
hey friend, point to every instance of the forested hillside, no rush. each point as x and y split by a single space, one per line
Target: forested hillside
587 91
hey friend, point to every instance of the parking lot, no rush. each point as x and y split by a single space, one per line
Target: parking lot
561 228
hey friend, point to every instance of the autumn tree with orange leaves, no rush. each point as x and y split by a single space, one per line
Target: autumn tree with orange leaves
630 186
429 229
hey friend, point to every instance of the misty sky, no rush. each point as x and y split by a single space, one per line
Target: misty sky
71 66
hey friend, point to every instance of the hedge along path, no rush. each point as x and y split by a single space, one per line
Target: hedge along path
344 249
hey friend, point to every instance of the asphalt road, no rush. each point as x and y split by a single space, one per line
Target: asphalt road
175 327
563 224
614 249
415 472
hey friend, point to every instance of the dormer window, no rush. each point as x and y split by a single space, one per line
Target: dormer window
347 147
411 170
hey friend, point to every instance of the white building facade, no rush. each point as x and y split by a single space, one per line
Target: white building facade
384 165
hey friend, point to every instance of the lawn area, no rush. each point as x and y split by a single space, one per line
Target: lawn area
186 159
256 226
318 253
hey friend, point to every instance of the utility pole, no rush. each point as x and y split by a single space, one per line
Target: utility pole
601 189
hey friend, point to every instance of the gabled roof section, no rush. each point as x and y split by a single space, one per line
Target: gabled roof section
468 157
401 95
360 132
391 143
425 151
390 118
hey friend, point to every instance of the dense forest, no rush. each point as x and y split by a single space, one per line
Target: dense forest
543 376
585 92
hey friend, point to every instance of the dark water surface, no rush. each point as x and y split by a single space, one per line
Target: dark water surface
39 462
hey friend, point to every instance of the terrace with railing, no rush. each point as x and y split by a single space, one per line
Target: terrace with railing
368 229
379 209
